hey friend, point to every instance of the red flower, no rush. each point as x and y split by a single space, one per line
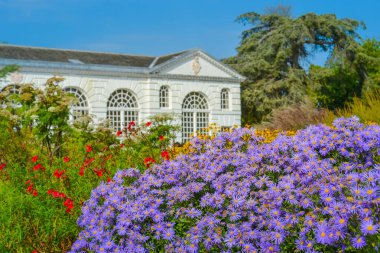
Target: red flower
118 133
66 159
35 193
161 138
56 194
108 179
34 158
165 155
69 204
130 125
2 166
37 167
88 148
29 189
122 145
58 174
88 161
34 251
28 182
81 171
148 123
148 161
99 173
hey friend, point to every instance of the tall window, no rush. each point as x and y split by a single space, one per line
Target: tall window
195 115
80 109
164 97
122 108
225 99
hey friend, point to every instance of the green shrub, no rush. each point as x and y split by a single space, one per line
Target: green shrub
366 108
48 167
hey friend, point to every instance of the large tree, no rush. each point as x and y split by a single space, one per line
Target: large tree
274 49
340 81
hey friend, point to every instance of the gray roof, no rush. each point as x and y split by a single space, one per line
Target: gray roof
85 57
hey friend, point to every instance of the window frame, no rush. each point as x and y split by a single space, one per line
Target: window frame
122 108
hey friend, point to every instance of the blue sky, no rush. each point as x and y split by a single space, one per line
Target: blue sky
155 27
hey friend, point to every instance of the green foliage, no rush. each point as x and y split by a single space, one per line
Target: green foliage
271 53
371 52
341 80
8 69
42 114
27 223
367 108
334 86
40 153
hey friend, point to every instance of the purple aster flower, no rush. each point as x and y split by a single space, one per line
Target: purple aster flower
237 200
234 215
358 242
193 213
168 234
322 233
368 228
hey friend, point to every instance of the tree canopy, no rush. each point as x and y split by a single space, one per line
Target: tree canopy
274 49
7 69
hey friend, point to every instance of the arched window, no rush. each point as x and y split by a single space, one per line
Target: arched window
122 108
164 97
195 115
12 88
80 109
225 99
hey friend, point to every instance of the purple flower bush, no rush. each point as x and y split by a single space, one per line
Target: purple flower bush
316 191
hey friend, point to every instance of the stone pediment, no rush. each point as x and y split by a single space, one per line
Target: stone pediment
196 63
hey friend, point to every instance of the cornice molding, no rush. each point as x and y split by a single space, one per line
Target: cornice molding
64 69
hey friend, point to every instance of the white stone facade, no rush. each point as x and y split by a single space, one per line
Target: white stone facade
191 72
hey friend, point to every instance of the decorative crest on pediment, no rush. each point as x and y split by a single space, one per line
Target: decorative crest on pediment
196 66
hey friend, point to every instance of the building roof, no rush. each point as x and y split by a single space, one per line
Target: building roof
63 60
81 57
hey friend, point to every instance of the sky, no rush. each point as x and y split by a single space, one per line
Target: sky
156 27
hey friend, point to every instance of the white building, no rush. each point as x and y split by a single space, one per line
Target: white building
192 85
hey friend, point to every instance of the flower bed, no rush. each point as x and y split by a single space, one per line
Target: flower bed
315 191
